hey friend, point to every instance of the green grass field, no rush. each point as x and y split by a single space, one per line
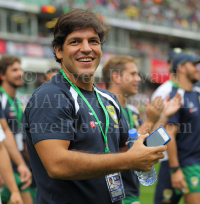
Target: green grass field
147 192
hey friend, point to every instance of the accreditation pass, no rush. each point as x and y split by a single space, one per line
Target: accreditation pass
115 186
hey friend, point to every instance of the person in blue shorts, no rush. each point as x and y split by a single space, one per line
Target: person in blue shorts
76 132
184 128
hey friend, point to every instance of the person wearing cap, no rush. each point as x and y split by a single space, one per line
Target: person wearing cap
164 190
184 128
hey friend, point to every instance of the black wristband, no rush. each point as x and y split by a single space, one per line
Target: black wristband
174 169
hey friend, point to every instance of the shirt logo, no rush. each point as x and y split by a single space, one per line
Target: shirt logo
135 119
90 113
111 111
12 108
167 194
192 108
92 124
194 181
191 105
12 114
23 107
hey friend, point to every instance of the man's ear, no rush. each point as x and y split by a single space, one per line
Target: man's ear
58 52
101 53
2 77
116 77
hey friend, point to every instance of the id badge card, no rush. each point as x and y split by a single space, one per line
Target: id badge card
115 186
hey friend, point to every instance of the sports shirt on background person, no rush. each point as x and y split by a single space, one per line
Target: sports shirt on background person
183 126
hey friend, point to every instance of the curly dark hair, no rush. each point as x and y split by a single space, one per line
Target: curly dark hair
77 19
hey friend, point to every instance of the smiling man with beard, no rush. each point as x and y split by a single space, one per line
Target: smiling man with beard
75 131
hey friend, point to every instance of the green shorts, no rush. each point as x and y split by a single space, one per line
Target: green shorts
5 195
192 178
33 192
133 199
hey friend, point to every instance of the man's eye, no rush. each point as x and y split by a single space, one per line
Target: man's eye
133 73
95 41
74 42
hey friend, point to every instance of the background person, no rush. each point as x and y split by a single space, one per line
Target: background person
33 187
183 127
120 74
11 118
164 190
50 73
7 172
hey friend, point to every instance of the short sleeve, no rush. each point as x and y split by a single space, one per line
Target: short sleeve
2 134
49 115
2 113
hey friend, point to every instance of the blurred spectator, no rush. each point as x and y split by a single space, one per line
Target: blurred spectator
181 14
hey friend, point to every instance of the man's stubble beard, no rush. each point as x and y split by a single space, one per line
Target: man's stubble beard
194 81
13 85
77 76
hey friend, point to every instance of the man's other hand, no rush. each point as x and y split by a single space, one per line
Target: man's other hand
153 110
16 198
173 105
25 175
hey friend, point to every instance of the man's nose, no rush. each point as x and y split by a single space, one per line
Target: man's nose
85 47
21 72
139 78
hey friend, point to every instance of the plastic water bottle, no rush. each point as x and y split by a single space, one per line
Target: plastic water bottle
146 178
